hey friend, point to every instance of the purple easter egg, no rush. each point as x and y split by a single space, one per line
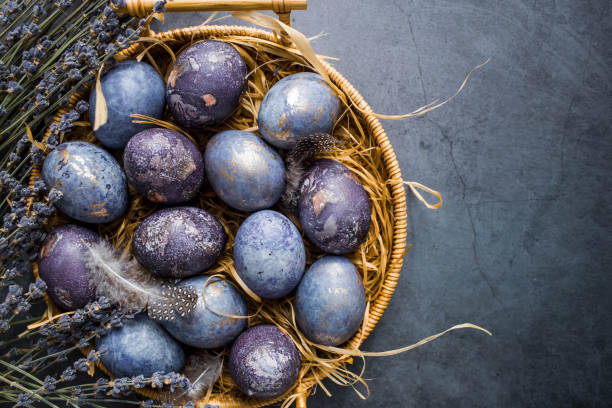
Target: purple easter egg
63 266
269 254
178 242
205 83
330 301
334 207
164 165
264 363
297 106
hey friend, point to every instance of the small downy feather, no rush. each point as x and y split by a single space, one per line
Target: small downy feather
202 368
297 161
120 278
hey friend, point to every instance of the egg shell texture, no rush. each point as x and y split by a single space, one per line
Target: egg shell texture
140 347
244 171
330 301
334 208
203 327
63 266
93 186
164 165
130 87
297 106
205 83
264 363
269 254
178 242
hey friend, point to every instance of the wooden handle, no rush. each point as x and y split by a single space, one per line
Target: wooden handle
300 402
142 8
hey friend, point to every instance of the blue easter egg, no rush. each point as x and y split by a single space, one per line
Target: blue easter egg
140 347
269 254
93 186
130 87
297 106
206 326
244 171
330 301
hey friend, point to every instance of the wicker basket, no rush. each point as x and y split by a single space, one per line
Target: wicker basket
395 242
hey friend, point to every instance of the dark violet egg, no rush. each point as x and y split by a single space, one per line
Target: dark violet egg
130 87
163 165
63 265
209 325
264 363
178 242
205 83
269 254
140 347
296 106
334 207
93 186
244 171
330 301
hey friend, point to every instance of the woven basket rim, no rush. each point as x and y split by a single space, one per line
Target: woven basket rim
390 164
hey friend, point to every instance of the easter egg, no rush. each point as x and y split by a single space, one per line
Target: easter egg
178 242
330 301
163 165
244 171
264 363
140 347
205 83
130 87
63 265
93 186
296 106
269 254
334 207
209 325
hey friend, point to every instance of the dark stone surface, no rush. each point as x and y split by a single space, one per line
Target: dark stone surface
523 158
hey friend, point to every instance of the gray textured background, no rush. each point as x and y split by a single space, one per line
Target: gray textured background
523 158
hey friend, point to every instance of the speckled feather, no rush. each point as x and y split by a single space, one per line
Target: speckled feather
296 163
120 278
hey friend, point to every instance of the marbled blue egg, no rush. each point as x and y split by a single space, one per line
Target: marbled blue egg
330 301
298 105
264 362
334 207
205 83
130 87
244 171
203 327
269 254
140 347
93 186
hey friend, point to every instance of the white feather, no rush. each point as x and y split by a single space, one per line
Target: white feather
120 278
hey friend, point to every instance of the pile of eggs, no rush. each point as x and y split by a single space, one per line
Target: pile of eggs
182 242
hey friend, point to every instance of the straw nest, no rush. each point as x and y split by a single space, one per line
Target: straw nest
364 148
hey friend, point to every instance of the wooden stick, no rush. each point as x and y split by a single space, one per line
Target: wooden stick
141 8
